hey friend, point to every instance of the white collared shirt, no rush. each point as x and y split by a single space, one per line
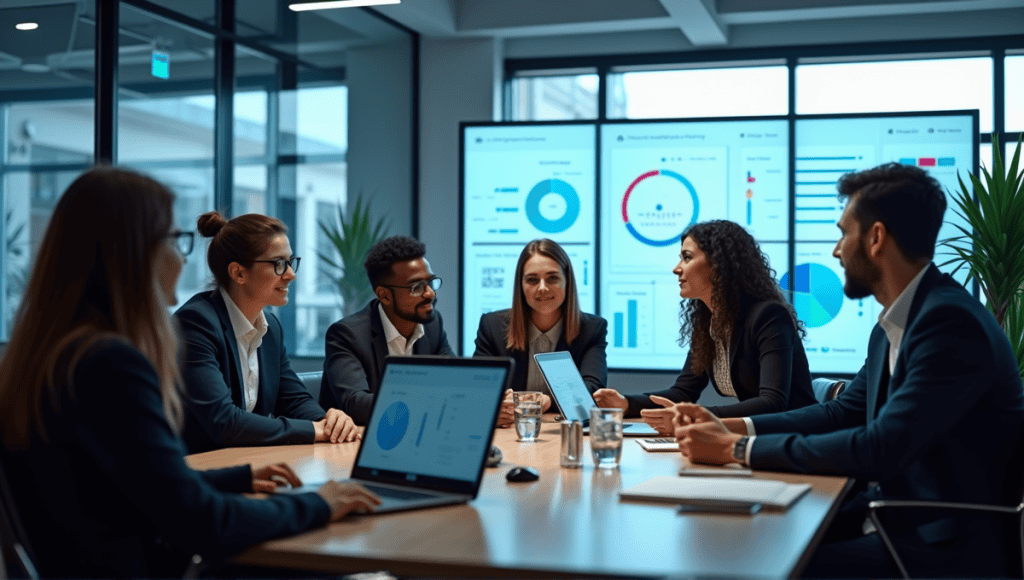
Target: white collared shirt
397 344
249 339
540 342
893 321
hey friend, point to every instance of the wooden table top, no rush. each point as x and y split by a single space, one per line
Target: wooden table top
570 522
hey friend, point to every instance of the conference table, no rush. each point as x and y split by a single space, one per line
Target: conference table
568 523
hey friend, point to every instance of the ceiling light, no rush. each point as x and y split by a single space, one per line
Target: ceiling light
300 6
27 25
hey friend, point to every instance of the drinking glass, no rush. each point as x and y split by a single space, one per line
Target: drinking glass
527 407
606 437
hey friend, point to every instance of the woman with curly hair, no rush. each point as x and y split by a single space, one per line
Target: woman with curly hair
744 336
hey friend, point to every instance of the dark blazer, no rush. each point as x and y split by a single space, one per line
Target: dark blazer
356 348
216 418
943 427
767 366
112 479
588 350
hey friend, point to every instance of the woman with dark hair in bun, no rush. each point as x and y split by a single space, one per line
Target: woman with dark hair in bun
744 336
240 386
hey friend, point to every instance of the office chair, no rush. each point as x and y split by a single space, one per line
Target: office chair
827 389
1015 489
15 551
312 382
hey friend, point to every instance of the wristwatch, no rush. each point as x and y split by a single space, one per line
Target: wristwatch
739 450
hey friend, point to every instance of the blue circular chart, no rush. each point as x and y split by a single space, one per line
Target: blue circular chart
536 197
817 293
393 426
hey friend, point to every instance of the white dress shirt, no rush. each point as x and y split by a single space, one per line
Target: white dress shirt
249 339
397 344
540 342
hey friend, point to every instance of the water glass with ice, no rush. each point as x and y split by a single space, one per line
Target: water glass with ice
606 437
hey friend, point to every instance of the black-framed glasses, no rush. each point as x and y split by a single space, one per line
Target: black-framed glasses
280 264
183 241
417 288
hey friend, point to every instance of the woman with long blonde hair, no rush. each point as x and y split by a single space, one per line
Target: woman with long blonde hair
91 410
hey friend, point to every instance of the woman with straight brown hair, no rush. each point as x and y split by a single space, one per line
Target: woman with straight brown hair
90 404
545 317
240 386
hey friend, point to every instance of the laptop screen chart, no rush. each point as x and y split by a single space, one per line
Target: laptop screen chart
432 420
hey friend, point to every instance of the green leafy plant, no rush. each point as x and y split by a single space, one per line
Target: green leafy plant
352 236
993 249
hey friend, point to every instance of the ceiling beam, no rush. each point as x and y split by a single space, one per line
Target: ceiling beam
699 21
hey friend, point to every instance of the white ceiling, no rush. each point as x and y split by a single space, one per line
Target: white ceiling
539 28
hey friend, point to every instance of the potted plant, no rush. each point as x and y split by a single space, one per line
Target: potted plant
993 249
352 240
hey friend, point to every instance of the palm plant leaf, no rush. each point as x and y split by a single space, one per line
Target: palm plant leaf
352 236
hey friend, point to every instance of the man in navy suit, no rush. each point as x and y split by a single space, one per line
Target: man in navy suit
936 412
400 321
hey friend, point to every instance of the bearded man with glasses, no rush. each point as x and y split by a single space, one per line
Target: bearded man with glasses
401 321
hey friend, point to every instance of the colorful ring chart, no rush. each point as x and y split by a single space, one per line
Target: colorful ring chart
817 293
561 189
393 426
647 239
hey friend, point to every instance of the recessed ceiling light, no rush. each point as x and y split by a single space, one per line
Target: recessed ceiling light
300 6
27 25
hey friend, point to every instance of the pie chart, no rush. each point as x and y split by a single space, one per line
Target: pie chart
552 206
393 426
817 293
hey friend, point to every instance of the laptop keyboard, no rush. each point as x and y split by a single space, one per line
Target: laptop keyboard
396 493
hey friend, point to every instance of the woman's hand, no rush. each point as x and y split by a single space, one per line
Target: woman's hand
337 427
661 419
270 477
610 399
347 497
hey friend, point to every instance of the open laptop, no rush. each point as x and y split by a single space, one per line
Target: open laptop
571 394
430 430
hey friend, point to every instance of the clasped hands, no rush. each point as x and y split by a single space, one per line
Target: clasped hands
337 427
507 414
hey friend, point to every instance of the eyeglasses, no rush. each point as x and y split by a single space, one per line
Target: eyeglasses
280 264
417 288
183 241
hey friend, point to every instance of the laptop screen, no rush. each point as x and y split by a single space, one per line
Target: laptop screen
570 392
432 422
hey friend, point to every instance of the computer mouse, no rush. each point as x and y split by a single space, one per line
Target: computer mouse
494 457
522 474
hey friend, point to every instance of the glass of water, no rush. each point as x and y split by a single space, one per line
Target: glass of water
606 437
527 407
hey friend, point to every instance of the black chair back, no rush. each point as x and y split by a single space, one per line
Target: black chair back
17 559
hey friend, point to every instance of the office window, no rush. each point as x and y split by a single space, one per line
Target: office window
1014 85
898 85
699 92
554 97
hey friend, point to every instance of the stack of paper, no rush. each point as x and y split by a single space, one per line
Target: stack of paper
709 491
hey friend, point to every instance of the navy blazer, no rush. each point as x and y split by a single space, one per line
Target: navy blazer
588 350
110 485
767 367
356 348
216 418
943 427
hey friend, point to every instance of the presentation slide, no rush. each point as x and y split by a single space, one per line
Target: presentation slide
520 183
839 328
428 420
656 180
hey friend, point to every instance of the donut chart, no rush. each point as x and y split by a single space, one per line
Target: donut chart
393 426
817 293
665 226
538 196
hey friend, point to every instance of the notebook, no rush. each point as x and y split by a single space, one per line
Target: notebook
430 430
571 395
710 491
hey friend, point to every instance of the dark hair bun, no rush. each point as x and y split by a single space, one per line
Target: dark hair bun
210 223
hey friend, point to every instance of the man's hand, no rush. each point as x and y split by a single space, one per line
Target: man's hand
610 399
344 498
337 427
661 419
269 477
702 437
507 413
